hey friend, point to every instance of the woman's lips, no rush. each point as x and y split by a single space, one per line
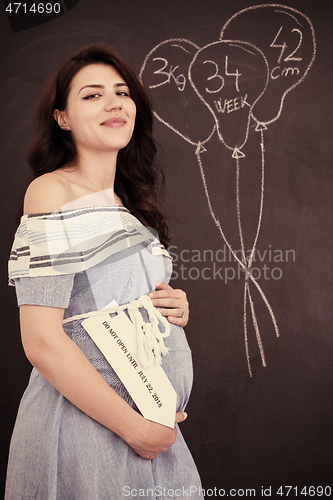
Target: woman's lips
114 122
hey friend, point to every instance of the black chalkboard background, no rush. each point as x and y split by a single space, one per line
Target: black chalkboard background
273 428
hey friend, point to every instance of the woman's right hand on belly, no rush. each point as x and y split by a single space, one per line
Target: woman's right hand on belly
152 438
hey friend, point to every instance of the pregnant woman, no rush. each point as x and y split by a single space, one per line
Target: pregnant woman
92 234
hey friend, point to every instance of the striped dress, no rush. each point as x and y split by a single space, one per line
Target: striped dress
80 260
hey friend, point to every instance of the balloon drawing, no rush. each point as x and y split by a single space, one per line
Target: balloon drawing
167 79
286 37
231 97
221 90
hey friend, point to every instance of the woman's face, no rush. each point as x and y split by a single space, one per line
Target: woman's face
100 112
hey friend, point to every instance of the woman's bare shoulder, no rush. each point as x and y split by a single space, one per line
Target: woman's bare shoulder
46 194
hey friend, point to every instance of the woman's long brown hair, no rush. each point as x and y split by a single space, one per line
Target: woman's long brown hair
137 174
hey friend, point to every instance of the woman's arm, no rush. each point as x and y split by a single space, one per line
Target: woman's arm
64 365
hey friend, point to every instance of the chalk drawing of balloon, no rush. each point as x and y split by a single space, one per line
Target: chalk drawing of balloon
229 77
165 72
286 37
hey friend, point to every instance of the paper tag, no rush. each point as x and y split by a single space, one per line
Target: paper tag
150 388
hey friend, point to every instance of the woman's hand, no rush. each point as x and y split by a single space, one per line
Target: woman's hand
171 303
155 438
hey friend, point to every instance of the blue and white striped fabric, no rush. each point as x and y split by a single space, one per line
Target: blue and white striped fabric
58 452
75 240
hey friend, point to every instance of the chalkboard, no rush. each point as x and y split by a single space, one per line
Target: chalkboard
242 100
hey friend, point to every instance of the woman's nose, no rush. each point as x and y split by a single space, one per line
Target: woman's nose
114 102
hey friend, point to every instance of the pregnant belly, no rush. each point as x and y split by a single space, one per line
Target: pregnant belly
177 364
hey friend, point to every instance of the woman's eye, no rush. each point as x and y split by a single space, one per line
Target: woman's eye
91 96
123 93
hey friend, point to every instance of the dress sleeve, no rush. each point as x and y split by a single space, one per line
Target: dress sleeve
53 291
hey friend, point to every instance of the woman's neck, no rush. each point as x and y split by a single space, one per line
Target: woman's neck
98 169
